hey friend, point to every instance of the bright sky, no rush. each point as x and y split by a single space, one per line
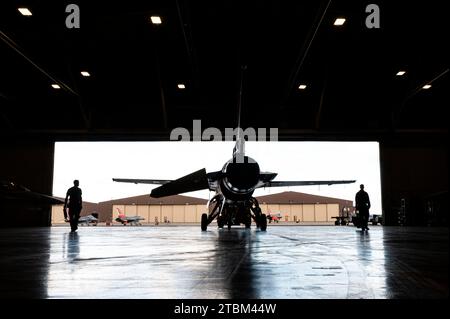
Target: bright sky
94 164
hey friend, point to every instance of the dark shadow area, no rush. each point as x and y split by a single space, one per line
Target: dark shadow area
24 262
416 261
234 262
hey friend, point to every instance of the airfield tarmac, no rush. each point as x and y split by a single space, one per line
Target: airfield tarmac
306 262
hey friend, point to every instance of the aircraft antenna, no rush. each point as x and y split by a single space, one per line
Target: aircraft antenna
243 68
239 147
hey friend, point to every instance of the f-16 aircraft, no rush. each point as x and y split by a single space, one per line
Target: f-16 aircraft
128 220
86 220
233 202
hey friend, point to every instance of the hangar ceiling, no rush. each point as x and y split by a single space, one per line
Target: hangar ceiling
352 90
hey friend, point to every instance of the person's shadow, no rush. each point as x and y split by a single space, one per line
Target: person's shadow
73 246
363 245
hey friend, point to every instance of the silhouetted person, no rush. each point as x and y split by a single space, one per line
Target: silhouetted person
75 203
363 205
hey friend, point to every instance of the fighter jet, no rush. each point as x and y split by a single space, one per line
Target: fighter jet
87 220
233 202
129 220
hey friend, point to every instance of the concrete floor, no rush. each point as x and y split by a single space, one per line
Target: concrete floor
183 262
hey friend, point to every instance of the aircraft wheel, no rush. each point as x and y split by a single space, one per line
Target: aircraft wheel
220 222
263 222
204 222
248 224
229 225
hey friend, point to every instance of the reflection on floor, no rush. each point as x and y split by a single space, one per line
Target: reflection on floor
183 262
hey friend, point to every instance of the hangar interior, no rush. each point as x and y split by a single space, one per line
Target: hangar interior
122 77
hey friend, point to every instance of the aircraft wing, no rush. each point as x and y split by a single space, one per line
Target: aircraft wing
12 191
142 181
304 183
192 182
195 181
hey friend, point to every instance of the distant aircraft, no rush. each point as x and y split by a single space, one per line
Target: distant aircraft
276 217
233 202
86 220
128 220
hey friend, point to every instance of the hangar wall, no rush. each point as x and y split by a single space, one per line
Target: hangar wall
169 213
414 173
28 163
314 213
303 213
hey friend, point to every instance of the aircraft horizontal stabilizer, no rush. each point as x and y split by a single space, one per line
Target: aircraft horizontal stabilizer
305 183
193 182
142 181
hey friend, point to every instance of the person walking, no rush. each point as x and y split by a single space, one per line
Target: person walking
74 202
362 204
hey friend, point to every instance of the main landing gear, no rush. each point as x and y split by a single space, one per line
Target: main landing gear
204 223
259 218
228 215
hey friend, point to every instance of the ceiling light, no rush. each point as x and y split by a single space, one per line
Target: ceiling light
427 86
56 86
401 73
302 87
181 86
339 21
25 11
85 73
156 19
